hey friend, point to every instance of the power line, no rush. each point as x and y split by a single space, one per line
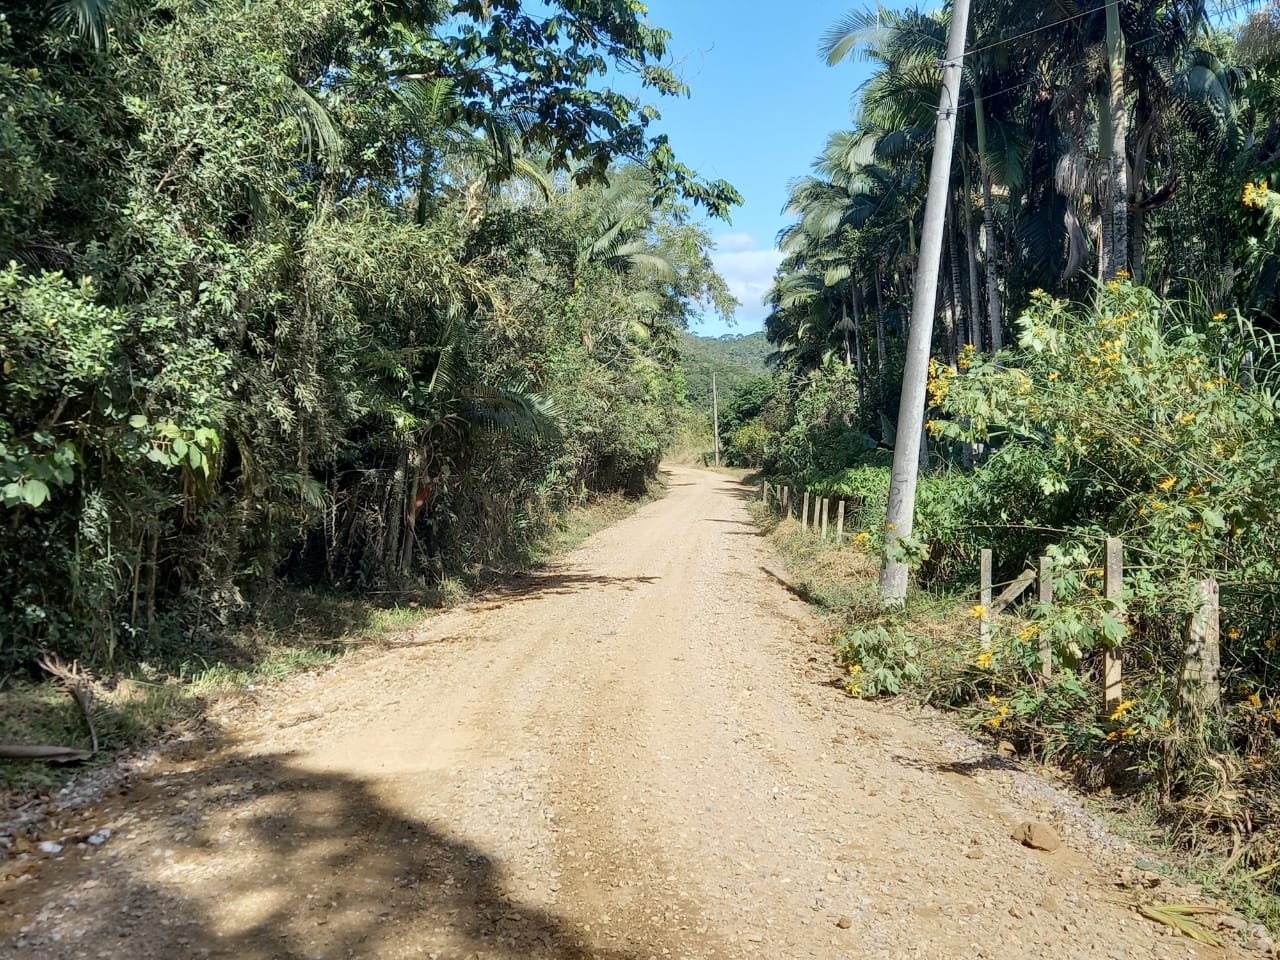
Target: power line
1027 33
1077 63
1223 9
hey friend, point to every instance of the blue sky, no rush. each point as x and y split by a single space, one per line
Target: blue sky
763 104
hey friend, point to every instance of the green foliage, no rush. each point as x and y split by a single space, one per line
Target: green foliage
736 360
882 660
279 305
747 444
1135 412
819 431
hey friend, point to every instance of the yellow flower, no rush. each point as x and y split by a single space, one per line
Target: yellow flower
977 611
1193 525
1120 734
1233 634
1123 708
994 722
855 669
1123 274
1219 316
1167 483
1186 419
1053 374
992 698
1028 632
1157 504
1254 700
984 660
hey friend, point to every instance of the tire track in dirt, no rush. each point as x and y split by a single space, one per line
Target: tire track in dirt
635 752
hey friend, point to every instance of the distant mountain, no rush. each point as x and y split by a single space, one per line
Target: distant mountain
735 359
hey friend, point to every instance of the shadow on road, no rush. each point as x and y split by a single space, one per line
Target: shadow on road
261 859
553 582
741 491
964 768
795 590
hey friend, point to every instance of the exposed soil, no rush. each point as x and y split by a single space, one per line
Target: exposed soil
637 752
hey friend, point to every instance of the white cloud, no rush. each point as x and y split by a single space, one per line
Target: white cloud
735 242
749 273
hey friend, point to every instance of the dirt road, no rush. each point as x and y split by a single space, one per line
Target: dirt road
635 753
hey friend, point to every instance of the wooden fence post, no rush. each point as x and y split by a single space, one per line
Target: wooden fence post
984 601
840 524
1046 600
825 506
764 492
1198 689
786 501
1113 589
804 512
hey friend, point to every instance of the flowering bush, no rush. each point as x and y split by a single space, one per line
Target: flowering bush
1132 419
1139 419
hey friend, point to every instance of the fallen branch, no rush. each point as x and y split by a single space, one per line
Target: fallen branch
73 682
1179 916
52 754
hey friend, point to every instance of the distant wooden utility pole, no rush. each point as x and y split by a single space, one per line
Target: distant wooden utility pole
900 519
715 414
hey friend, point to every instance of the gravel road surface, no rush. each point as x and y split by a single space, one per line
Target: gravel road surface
636 752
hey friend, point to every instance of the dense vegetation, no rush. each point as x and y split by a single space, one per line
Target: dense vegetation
735 358
349 292
1104 366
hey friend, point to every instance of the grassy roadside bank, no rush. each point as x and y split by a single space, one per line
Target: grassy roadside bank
931 654
292 631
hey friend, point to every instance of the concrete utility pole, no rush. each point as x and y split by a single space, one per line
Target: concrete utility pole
715 414
900 520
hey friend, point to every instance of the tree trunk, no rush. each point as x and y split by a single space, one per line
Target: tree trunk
1138 218
413 470
900 516
971 251
1115 255
881 360
989 229
949 325
860 350
856 299
957 304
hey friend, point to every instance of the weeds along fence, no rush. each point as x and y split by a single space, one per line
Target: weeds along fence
1199 687
824 514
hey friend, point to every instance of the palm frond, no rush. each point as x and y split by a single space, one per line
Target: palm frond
89 19
511 411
